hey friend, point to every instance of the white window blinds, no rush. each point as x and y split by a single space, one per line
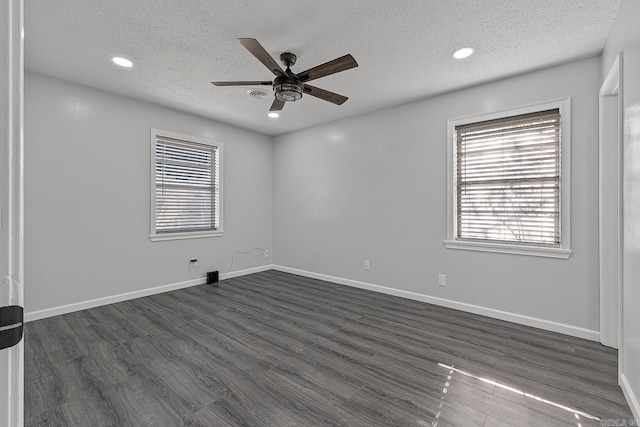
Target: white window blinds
187 186
508 180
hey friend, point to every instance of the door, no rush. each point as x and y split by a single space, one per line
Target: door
11 212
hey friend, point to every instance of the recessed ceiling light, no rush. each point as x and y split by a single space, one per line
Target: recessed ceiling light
463 52
273 115
123 62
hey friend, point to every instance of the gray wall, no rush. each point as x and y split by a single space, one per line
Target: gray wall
87 196
625 37
374 187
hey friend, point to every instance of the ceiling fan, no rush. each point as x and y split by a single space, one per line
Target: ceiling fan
289 86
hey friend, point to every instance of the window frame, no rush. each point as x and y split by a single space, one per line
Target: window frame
154 235
564 250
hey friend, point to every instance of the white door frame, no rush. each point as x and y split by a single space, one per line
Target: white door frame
610 205
11 202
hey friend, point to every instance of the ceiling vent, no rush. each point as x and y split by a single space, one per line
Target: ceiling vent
258 94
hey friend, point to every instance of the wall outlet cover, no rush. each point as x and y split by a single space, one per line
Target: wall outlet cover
442 280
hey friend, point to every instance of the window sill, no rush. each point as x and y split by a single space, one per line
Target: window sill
509 249
186 235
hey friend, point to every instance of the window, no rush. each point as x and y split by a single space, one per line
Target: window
510 176
186 191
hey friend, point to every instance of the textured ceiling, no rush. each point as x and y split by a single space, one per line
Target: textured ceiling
403 48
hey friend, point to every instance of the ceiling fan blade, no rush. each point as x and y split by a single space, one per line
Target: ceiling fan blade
256 49
339 64
242 83
325 94
277 105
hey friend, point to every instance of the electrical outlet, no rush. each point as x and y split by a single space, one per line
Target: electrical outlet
266 253
442 280
367 265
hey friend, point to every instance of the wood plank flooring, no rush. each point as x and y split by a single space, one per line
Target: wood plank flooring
275 349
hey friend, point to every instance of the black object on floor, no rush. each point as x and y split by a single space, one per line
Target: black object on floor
212 277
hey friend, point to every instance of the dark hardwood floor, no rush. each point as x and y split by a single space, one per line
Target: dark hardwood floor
275 349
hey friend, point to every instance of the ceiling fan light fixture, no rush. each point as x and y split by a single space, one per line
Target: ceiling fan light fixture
288 92
273 115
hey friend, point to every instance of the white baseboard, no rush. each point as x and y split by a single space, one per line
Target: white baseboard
246 271
547 325
484 311
83 305
631 397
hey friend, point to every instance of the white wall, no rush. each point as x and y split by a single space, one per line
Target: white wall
374 187
87 196
625 37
